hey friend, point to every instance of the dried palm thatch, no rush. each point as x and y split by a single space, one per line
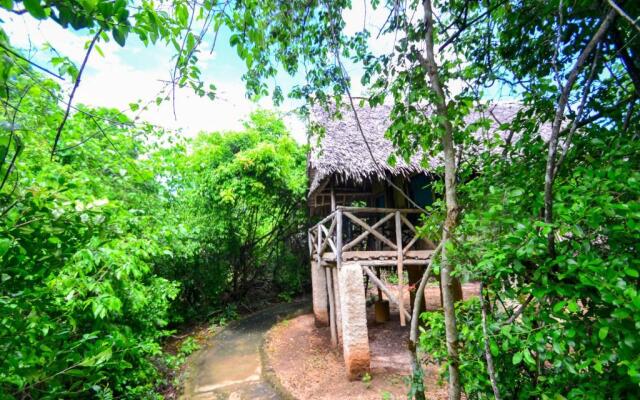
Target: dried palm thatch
342 155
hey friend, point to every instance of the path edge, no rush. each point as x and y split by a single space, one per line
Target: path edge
268 373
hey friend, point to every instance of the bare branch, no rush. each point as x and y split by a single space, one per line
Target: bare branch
73 91
624 15
487 349
557 122
583 101
41 68
519 310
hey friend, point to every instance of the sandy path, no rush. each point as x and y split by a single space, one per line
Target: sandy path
229 366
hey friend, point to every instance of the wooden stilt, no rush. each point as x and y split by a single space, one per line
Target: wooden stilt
337 301
332 305
379 290
385 290
332 308
400 268
338 251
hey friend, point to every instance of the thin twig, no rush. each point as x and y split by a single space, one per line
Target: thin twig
41 68
519 310
487 349
557 122
581 107
624 15
73 91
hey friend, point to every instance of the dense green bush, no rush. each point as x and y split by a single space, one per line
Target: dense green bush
578 336
242 195
124 232
81 310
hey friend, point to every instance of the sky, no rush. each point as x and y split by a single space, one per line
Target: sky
136 73
124 75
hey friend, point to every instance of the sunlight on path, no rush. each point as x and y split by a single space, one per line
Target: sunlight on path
229 366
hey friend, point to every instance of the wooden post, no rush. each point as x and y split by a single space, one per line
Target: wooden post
332 305
337 294
379 290
339 238
333 200
400 267
337 299
384 289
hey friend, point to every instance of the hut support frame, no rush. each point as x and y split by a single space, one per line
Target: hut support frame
345 268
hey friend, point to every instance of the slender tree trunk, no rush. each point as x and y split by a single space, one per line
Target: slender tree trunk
447 281
572 76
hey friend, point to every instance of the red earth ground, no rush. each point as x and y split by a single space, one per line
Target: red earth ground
305 365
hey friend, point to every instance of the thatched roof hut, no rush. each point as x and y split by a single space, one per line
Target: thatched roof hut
341 158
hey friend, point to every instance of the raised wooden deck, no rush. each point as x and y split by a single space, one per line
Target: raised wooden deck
374 237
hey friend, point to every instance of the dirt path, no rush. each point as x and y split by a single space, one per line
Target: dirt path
229 365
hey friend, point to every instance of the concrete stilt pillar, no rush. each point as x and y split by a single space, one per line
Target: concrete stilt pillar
320 295
336 297
355 335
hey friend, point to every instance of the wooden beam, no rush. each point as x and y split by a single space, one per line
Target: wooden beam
328 234
400 268
328 240
336 286
379 255
339 239
365 226
333 199
413 228
411 243
385 290
380 210
329 280
366 232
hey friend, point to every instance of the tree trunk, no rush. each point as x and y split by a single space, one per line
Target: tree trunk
447 281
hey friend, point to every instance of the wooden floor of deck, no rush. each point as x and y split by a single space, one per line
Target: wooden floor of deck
381 257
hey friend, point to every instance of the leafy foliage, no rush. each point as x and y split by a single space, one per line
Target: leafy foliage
98 246
242 195
82 310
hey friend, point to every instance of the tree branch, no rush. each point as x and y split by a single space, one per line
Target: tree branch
624 14
41 68
73 91
519 310
487 349
557 122
583 101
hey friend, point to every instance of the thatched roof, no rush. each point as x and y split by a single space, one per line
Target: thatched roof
343 156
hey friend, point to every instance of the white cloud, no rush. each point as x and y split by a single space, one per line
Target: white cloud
116 80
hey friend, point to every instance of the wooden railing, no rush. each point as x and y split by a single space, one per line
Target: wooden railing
374 246
326 233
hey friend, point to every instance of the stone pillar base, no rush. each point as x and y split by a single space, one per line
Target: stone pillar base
320 296
355 334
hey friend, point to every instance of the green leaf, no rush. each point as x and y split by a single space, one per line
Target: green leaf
35 9
573 306
494 348
8 4
529 358
631 272
5 245
603 332
517 358
120 35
